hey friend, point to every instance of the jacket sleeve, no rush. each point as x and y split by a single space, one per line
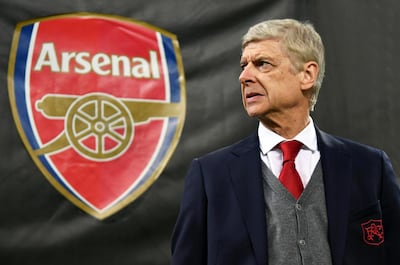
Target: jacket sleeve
189 238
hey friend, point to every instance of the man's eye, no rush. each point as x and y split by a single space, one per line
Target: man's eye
262 64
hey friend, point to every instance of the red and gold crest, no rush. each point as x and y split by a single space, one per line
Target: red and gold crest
99 102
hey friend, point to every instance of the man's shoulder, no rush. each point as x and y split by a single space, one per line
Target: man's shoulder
250 143
331 140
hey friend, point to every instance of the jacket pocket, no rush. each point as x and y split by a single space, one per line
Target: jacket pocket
365 237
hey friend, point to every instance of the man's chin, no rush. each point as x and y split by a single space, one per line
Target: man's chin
253 114
253 111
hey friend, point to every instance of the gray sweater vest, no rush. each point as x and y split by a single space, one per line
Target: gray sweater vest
297 230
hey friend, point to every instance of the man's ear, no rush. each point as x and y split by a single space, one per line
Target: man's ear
310 74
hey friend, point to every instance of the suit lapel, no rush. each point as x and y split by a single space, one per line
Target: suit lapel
336 166
248 186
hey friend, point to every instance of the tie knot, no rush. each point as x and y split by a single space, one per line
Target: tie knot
290 149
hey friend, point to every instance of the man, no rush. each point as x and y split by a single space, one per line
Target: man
339 204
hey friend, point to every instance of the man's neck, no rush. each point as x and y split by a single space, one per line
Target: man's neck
287 128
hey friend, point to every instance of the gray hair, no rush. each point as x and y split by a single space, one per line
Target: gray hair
299 40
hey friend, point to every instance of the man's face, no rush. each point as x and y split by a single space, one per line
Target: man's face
269 82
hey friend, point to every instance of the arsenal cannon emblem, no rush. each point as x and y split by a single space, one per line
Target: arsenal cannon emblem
99 102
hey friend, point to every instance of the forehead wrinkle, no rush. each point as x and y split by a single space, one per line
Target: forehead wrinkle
268 52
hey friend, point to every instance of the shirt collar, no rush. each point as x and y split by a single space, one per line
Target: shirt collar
269 139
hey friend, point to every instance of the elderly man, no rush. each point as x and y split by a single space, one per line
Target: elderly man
290 194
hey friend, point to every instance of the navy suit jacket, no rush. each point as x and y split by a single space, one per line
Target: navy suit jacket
222 215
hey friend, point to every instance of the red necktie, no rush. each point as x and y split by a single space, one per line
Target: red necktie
289 176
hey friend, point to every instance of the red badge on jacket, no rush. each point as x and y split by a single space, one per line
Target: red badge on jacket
373 232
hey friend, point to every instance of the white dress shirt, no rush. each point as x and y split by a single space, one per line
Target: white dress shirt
307 158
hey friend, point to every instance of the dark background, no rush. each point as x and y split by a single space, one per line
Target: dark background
358 100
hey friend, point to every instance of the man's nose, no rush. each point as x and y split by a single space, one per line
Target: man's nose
247 74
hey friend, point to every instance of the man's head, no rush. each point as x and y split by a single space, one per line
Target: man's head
298 40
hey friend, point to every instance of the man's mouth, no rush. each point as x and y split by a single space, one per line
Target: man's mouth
252 94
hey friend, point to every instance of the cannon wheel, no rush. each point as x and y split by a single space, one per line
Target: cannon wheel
99 126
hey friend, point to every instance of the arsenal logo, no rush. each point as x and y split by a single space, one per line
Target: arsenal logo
373 232
99 103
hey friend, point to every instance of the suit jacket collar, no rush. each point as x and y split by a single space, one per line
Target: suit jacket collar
247 182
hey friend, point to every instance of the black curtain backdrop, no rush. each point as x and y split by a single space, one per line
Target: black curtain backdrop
358 100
